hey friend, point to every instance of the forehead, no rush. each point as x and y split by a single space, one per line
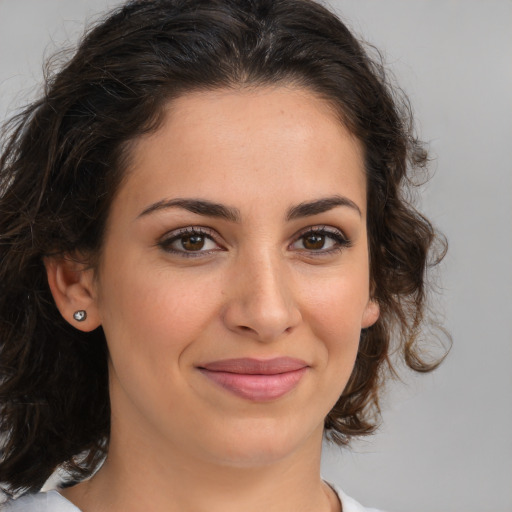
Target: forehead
232 144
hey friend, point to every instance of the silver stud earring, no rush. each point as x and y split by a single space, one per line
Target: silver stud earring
80 315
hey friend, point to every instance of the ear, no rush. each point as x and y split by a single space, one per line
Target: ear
73 288
370 314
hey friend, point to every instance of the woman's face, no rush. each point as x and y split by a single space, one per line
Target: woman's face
234 279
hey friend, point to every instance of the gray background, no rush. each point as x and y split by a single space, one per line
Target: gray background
445 445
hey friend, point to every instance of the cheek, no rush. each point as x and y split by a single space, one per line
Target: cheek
150 322
339 299
335 315
339 331
335 322
154 315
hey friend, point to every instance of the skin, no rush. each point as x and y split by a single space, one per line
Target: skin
256 288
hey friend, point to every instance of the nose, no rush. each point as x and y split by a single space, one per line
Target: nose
261 303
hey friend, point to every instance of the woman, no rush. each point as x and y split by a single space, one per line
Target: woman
206 261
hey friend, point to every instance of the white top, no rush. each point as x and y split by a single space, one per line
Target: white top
52 501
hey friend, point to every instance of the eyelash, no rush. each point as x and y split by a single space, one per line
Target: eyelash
340 240
189 232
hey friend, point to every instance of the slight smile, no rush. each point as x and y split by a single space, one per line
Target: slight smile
255 379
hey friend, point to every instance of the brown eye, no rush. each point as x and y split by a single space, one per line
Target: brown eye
189 242
314 241
192 242
321 241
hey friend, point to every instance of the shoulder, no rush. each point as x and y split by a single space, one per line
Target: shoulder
350 504
50 501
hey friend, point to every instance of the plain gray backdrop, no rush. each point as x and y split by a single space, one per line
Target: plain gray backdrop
445 444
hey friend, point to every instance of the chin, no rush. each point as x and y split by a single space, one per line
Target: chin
264 443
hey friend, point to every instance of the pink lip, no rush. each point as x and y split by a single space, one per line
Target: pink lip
255 379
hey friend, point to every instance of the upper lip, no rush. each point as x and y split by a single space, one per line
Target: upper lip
249 366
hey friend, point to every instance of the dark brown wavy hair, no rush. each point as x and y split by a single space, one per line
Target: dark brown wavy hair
62 163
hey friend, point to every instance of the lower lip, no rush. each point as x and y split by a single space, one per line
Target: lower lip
258 388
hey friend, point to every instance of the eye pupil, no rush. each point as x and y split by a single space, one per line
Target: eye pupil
314 241
193 242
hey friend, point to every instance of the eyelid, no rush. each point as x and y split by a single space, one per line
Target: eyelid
321 228
341 239
168 238
335 234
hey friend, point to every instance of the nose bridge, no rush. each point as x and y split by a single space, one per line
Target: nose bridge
267 276
262 302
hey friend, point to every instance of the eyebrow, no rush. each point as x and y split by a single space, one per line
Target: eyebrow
199 206
212 209
325 204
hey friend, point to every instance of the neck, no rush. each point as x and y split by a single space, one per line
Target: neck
148 477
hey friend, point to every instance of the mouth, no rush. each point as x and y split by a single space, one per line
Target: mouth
255 379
